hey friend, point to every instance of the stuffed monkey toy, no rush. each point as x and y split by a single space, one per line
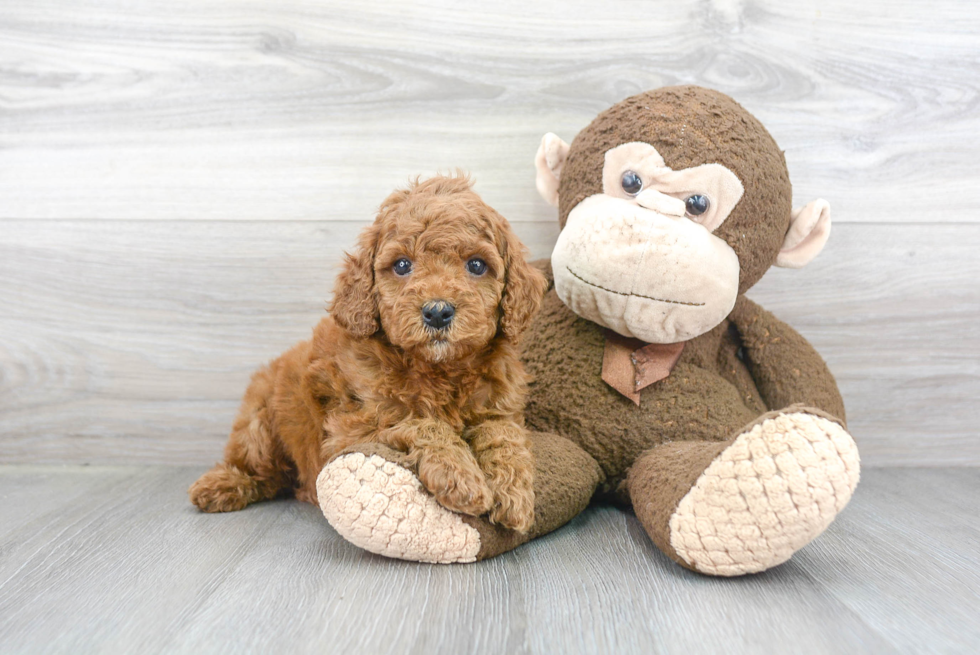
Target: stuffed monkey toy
656 382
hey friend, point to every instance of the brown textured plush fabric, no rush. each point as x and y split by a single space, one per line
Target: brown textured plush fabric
689 126
661 478
565 480
709 395
785 366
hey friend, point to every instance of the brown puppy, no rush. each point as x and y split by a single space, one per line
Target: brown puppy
419 353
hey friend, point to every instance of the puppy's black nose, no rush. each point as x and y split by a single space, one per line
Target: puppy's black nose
438 314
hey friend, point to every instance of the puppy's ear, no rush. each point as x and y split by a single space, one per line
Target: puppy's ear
355 306
524 285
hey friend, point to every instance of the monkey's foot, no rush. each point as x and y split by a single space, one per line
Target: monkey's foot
382 507
765 496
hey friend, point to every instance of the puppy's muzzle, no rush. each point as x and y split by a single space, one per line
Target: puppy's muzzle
438 314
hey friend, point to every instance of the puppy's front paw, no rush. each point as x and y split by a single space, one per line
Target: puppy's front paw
514 504
509 467
456 481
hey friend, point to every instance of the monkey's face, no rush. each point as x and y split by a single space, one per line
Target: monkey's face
671 202
641 258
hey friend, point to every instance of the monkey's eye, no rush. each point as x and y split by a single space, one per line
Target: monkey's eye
476 266
632 183
697 205
402 266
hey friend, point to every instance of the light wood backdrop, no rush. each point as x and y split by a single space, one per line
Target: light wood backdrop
179 178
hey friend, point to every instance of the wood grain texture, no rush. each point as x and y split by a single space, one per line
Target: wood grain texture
133 341
242 109
202 166
130 566
933 524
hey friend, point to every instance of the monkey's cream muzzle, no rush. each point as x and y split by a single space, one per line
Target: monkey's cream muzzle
656 277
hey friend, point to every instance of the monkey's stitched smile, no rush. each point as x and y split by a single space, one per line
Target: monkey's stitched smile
638 295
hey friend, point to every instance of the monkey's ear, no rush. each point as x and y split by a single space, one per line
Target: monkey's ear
808 232
549 160
354 305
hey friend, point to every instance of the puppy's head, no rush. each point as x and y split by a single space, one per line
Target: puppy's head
440 272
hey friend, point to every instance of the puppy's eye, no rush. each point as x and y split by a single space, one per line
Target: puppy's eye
697 205
476 266
632 183
402 266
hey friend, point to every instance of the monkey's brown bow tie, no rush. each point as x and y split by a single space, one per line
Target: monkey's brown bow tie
629 365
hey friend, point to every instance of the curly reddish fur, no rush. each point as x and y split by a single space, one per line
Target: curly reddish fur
452 399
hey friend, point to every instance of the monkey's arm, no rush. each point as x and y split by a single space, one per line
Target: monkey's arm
787 370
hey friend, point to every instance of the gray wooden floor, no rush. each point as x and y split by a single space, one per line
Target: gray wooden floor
114 559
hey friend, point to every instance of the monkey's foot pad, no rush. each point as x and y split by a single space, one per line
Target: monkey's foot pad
779 485
383 508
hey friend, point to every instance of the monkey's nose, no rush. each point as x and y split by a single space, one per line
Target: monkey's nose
661 202
438 314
